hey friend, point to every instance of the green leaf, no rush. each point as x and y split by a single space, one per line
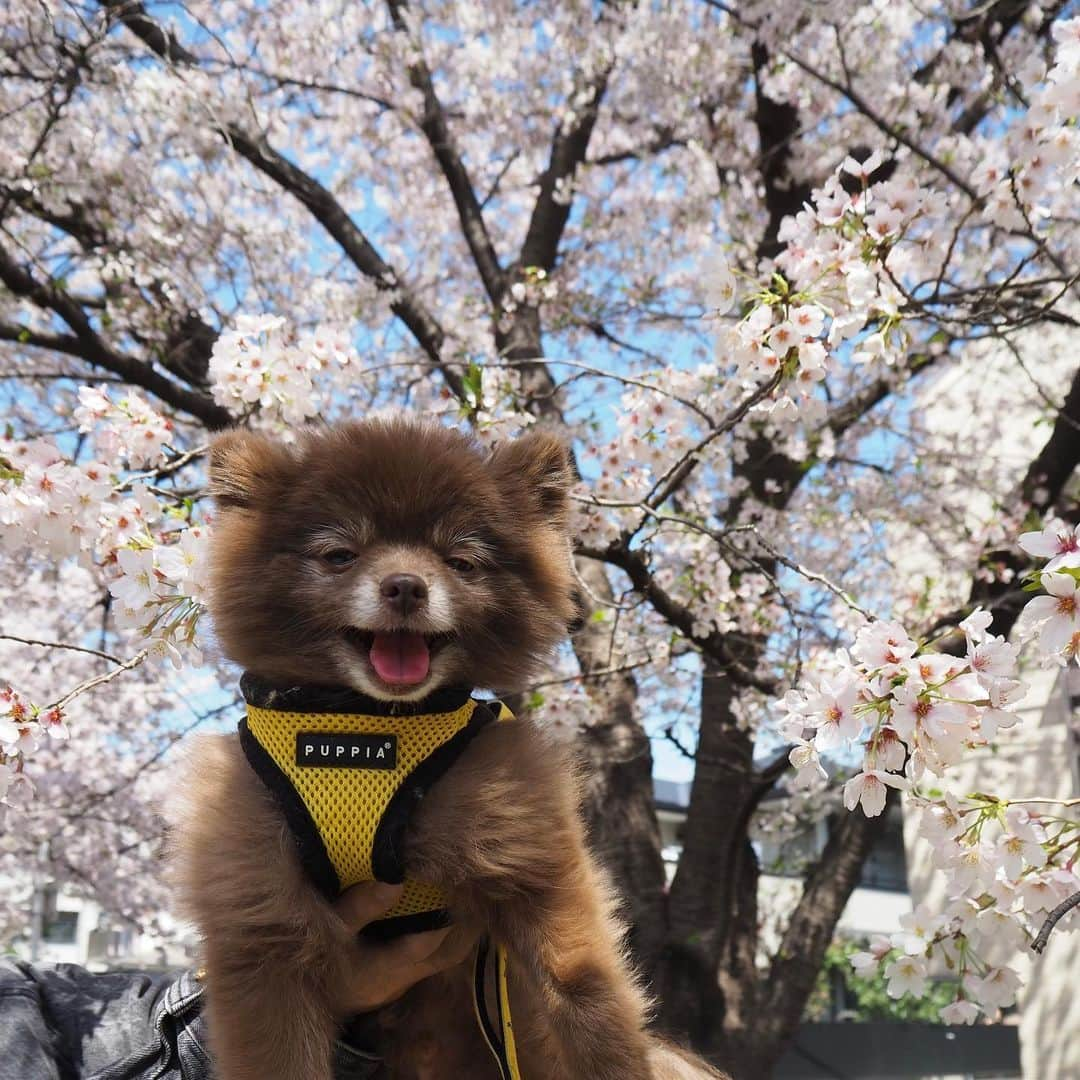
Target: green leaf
473 382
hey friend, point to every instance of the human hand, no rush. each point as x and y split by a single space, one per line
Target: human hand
382 971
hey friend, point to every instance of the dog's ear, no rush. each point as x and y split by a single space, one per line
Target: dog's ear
539 467
247 468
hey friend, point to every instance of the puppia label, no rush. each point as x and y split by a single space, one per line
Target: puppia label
347 751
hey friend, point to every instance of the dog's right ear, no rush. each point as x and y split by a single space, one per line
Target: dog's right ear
246 468
539 468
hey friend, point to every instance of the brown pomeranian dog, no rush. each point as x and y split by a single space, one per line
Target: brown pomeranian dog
384 570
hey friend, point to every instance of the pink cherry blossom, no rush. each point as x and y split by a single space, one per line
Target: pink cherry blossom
960 1012
1058 542
883 645
997 988
719 286
919 928
804 758
993 659
1056 616
866 962
906 975
832 711
867 790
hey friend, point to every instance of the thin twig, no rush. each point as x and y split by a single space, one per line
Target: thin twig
813 575
1049 802
98 680
588 369
62 645
169 467
1053 919
669 734
586 676
670 482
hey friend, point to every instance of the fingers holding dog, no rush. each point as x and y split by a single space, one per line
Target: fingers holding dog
382 972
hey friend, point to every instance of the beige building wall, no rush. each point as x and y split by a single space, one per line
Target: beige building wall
1039 758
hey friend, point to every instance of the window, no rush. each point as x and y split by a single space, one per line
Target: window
60 928
885 866
57 927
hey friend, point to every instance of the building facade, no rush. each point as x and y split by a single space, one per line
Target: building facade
66 928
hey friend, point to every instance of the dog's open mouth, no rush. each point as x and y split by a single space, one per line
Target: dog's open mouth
398 657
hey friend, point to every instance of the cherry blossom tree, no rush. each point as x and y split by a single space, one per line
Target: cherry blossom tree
797 281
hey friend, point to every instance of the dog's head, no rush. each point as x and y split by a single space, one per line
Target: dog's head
391 556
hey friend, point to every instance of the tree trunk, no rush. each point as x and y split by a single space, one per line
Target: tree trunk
621 812
715 886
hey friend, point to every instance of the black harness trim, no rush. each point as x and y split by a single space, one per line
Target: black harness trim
388 845
343 699
313 855
388 929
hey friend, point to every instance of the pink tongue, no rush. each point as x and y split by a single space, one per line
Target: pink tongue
400 659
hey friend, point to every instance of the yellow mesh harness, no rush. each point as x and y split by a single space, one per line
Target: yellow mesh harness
347 771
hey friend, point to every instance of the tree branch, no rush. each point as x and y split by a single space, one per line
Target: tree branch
363 255
894 132
437 131
86 344
765 777
323 206
74 223
854 409
1053 919
62 645
568 150
633 563
98 680
63 343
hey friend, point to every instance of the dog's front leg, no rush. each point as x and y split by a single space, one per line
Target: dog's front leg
269 1017
562 938
503 834
272 947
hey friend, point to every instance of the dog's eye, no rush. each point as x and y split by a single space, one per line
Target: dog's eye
462 566
339 557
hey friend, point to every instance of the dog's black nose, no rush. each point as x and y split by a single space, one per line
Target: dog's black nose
405 592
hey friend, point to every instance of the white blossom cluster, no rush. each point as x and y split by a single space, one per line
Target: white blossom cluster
127 429
23 725
149 558
264 369
913 713
160 591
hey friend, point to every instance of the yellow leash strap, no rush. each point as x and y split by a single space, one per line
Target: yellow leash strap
500 1037
507 1024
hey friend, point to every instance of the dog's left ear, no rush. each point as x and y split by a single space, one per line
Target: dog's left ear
246 468
540 466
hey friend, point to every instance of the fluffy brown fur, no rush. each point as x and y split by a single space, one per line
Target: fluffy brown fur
305 535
